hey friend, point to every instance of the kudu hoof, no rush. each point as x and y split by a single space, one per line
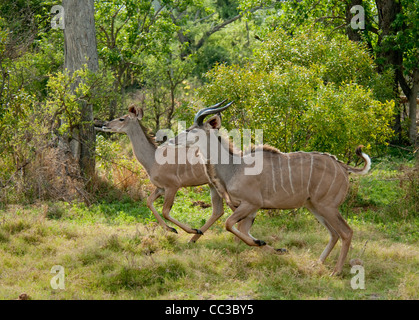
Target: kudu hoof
260 243
336 273
198 231
281 250
172 229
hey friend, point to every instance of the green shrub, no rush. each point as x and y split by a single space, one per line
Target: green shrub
306 93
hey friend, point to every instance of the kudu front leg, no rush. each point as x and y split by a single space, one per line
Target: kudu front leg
157 193
169 197
242 214
217 212
245 224
244 227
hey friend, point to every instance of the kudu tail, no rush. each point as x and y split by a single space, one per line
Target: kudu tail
366 159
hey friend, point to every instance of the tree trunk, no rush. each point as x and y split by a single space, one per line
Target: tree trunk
413 131
387 54
80 48
387 13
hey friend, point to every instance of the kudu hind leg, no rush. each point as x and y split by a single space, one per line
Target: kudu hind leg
334 236
217 212
345 232
334 219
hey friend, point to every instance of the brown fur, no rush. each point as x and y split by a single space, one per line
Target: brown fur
318 181
218 185
267 148
150 139
167 178
232 150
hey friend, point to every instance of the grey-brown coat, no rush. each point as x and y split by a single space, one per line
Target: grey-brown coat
317 181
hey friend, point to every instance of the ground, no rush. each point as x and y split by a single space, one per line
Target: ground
115 250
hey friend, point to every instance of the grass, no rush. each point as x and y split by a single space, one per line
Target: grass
115 250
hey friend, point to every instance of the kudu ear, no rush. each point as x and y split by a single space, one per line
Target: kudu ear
138 112
214 122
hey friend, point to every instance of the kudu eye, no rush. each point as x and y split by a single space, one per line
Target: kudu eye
122 119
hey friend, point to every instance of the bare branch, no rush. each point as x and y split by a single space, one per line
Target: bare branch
123 24
373 29
339 27
204 18
222 25
158 11
108 41
330 18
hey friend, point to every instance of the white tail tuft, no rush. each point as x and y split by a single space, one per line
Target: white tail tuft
366 168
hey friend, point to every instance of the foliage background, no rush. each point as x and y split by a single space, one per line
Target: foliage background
291 71
307 93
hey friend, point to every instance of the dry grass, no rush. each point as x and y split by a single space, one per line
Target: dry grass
115 250
51 174
141 261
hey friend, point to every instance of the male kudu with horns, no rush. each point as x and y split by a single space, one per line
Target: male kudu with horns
317 181
168 177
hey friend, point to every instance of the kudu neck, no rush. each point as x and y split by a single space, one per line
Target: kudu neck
217 151
226 160
144 149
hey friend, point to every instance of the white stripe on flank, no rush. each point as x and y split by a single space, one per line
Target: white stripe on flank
342 169
320 182
302 172
289 173
177 174
273 175
280 170
334 178
311 169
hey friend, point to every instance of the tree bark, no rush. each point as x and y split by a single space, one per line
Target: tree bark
387 54
80 49
413 131
387 13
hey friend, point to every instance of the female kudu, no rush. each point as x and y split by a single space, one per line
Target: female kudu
168 177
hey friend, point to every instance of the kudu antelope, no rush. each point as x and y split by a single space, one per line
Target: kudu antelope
168 178
317 181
